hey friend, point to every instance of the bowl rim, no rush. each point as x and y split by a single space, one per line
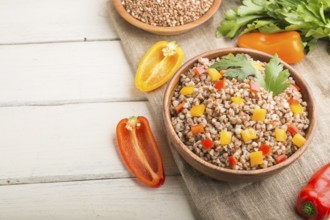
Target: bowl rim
222 52
164 29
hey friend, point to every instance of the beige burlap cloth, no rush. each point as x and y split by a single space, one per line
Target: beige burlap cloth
273 198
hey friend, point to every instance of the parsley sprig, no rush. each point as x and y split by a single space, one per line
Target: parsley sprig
311 18
275 78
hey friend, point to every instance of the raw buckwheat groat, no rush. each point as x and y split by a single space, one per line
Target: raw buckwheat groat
167 13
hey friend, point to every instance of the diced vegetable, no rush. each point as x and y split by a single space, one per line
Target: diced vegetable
214 74
266 149
225 137
207 143
252 133
280 158
259 114
187 90
196 129
237 100
293 129
280 134
256 158
257 65
293 85
220 84
293 101
254 87
179 108
197 110
298 140
232 161
296 108
248 134
199 70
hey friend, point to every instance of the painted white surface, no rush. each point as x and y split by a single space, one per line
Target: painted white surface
65 73
68 142
108 199
60 101
26 21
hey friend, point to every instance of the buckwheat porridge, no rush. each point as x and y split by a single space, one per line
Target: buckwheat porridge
239 121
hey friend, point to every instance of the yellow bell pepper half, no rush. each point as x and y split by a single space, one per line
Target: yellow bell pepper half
158 65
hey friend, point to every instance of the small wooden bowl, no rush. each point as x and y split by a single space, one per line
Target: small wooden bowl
226 174
159 30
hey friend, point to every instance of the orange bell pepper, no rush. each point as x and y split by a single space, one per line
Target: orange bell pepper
139 150
287 45
158 65
196 129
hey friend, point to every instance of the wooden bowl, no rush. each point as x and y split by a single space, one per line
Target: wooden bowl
159 30
226 174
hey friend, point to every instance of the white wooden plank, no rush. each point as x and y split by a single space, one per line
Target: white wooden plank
68 142
24 21
65 73
111 199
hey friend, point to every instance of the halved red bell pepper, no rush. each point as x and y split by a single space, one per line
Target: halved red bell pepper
313 201
139 150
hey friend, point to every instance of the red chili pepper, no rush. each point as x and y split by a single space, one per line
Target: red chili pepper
254 87
314 198
207 143
293 129
220 84
139 150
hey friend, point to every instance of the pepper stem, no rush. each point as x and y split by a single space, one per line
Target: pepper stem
308 209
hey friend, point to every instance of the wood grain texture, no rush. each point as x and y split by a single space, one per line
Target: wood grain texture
109 199
68 142
65 73
48 21
218 200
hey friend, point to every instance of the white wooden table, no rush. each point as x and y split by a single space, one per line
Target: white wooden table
64 85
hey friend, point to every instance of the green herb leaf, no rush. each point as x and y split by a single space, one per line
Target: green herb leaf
311 18
237 66
276 79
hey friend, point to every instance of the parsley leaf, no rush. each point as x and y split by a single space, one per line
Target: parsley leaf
237 66
311 18
276 79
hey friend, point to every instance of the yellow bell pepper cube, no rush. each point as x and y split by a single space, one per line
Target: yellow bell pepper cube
225 137
256 158
187 90
252 133
237 100
197 110
280 134
298 140
259 114
214 74
248 134
296 108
